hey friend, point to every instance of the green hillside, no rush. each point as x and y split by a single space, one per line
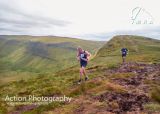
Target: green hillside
141 49
113 87
31 55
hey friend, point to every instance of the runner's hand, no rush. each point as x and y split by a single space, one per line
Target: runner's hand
78 58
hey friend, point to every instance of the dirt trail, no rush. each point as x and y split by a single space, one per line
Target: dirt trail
132 101
111 102
142 73
21 109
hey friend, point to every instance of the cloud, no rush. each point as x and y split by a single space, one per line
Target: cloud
14 20
87 19
153 32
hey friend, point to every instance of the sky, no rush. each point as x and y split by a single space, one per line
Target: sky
86 19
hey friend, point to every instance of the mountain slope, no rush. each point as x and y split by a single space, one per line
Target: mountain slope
135 44
23 57
113 87
38 54
141 49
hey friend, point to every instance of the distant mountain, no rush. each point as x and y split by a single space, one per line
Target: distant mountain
41 53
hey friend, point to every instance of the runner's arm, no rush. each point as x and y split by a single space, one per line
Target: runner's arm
78 57
88 55
84 59
127 51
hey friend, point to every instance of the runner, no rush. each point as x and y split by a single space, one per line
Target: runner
83 57
124 54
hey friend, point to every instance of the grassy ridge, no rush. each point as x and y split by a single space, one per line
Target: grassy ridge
20 55
140 49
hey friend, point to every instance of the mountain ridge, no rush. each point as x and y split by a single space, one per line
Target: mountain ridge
113 87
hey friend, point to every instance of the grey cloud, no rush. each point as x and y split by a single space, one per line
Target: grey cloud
153 32
18 20
8 29
29 17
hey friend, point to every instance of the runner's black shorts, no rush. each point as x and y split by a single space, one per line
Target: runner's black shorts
83 63
124 55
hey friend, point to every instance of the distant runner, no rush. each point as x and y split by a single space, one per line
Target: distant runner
124 54
83 57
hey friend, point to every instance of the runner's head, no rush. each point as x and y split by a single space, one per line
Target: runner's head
79 49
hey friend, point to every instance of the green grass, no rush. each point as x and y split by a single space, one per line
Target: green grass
39 55
48 78
152 107
155 93
141 49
